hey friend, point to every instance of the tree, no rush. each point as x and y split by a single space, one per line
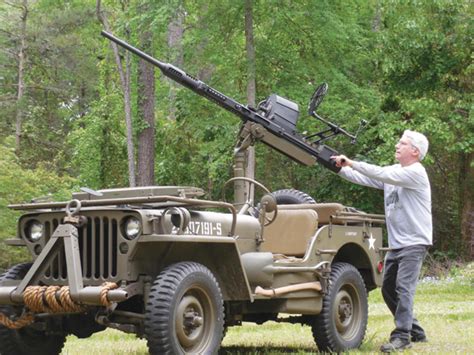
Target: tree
18 185
426 65
397 64
146 110
21 69
175 46
125 82
19 37
58 77
251 86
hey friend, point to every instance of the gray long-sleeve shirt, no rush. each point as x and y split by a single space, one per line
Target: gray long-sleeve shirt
407 195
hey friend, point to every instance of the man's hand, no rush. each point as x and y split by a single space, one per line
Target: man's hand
342 160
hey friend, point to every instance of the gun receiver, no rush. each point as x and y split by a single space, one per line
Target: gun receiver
274 122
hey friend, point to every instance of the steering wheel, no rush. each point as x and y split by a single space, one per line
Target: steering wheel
249 205
317 98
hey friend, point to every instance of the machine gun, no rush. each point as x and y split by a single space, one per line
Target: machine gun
273 122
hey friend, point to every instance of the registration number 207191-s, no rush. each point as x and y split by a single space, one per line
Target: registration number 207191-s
202 227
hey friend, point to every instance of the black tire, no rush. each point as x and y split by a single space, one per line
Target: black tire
288 197
26 340
184 288
342 323
292 197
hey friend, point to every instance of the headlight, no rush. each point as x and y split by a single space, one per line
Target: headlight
132 227
34 230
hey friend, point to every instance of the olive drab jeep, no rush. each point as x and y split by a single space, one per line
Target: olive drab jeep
168 265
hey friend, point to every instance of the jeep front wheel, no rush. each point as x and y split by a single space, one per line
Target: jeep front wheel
184 312
342 323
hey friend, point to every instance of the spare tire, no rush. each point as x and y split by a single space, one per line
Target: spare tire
292 197
287 197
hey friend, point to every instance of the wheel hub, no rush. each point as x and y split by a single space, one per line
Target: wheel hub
192 320
344 312
189 321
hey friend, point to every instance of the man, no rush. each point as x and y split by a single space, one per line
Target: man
407 196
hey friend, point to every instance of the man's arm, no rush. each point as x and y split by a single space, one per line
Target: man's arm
356 177
409 177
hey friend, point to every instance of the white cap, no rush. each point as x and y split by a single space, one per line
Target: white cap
419 141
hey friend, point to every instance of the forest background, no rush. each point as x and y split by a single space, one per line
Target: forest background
77 112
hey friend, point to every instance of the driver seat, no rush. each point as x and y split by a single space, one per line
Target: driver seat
291 231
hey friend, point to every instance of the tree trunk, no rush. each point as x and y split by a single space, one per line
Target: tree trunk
206 69
175 45
251 86
125 82
146 114
377 18
21 70
466 189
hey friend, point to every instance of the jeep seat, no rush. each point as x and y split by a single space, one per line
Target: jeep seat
291 231
324 210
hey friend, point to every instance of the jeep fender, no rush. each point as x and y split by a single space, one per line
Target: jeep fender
152 253
350 244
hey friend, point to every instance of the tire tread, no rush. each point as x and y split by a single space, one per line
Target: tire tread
292 196
322 328
158 304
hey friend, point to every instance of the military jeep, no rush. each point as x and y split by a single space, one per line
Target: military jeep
168 265
178 270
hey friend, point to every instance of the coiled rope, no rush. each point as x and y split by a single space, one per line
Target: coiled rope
51 299
23 321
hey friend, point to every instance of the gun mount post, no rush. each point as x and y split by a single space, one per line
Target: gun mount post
240 194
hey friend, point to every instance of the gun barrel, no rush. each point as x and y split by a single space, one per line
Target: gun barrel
302 151
187 80
134 50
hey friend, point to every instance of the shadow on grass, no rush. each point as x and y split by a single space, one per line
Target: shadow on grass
254 350
368 346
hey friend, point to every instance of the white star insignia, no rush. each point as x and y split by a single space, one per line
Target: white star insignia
371 242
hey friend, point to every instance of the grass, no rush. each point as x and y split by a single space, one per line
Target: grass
445 308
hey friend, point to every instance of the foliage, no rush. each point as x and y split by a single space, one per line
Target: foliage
99 154
396 64
18 185
426 67
55 94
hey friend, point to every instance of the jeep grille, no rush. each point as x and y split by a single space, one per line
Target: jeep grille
97 246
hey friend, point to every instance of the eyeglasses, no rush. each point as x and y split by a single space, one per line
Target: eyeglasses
402 142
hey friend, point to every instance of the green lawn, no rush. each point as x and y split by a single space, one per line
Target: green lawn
445 309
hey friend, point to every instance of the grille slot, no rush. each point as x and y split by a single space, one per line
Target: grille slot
98 248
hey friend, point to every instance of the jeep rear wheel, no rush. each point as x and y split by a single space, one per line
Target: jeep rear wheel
342 323
27 340
184 312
